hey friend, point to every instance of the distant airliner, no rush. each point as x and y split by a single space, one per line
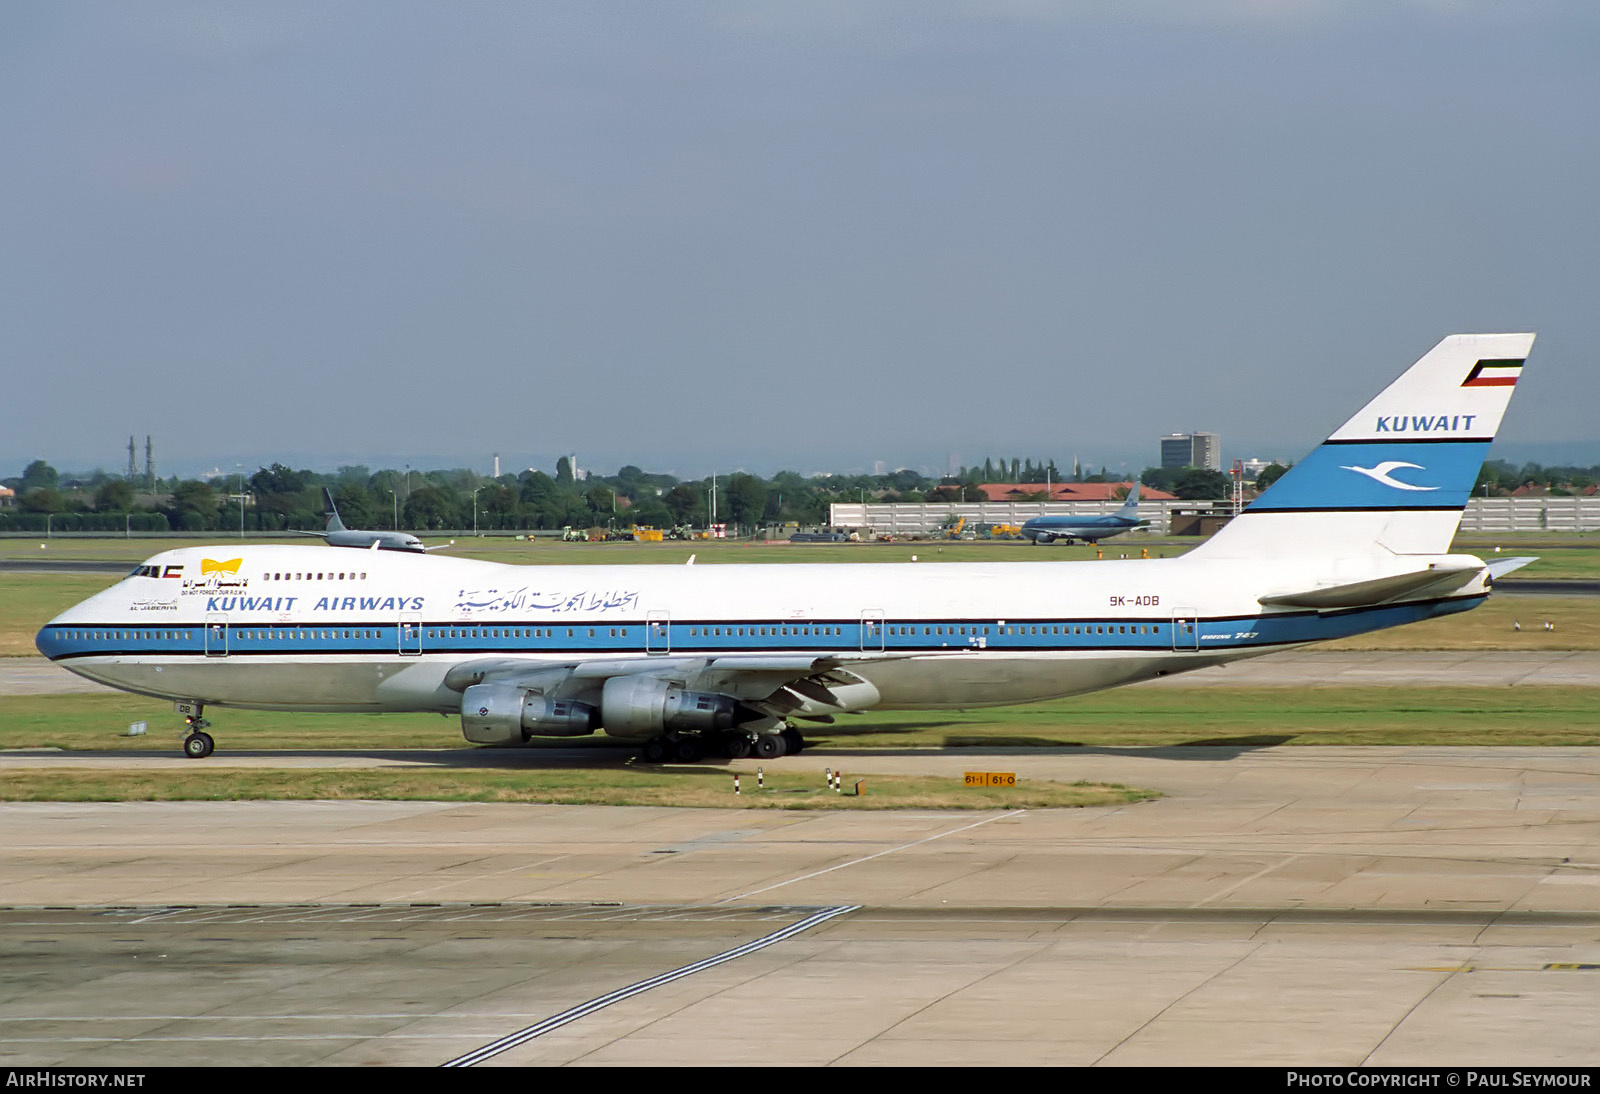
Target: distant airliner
338 535
688 660
1088 529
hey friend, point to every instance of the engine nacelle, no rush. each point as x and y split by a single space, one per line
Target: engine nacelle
504 714
643 706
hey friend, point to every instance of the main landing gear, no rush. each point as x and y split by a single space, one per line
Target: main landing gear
733 744
197 743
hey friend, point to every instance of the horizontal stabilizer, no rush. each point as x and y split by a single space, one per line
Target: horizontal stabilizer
1435 579
1500 567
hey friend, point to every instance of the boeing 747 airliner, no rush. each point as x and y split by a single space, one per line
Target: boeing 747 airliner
688 660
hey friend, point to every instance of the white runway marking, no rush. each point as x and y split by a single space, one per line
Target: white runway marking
869 858
523 1036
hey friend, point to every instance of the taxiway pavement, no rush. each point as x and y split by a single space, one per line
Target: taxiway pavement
1337 906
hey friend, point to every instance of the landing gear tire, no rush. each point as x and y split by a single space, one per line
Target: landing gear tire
793 742
656 750
197 746
769 746
737 746
690 750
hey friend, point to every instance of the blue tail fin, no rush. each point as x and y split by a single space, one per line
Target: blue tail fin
1130 504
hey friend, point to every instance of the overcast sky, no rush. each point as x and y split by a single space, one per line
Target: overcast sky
807 235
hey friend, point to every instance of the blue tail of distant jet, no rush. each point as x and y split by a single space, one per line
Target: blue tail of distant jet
1395 478
1130 504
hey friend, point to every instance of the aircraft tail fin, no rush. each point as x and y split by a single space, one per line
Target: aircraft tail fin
1130 504
332 512
1394 479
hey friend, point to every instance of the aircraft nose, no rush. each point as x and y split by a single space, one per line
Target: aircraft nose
52 639
45 641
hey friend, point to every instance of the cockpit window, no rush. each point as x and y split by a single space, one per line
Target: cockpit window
145 571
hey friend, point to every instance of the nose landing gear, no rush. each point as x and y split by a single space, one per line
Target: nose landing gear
197 743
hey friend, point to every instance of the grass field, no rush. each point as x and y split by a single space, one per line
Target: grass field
609 784
1149 717
1564 557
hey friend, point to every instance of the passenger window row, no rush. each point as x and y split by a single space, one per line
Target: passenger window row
614 632
309 576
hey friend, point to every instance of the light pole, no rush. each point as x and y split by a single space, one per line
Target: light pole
240 466
396 494
475 509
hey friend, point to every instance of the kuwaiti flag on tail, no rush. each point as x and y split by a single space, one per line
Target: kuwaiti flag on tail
1397 475
1494 372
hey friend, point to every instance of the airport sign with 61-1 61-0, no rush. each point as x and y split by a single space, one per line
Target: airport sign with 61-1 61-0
991 778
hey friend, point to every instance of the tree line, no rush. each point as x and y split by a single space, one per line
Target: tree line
279 498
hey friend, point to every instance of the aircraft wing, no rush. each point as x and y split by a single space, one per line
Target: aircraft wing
1434 580
779 684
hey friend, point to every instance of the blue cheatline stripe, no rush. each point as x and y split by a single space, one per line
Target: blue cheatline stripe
693 639
522 1036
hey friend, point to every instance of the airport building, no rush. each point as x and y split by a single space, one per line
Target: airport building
1483 516
1192 450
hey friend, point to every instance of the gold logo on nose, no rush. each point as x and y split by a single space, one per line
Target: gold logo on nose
211 566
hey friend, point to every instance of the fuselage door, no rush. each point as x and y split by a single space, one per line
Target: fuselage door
216 634
411 634
1185 629
658 632
872 629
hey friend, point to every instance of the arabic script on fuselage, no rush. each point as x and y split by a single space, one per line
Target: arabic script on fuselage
526 599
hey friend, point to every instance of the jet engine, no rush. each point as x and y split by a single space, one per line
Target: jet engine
643 706
504 714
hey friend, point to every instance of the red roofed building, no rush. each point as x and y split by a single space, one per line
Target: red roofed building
1069 491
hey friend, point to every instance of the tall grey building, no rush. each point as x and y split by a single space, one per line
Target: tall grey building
1192 450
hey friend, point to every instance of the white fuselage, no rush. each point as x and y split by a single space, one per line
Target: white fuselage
335 629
